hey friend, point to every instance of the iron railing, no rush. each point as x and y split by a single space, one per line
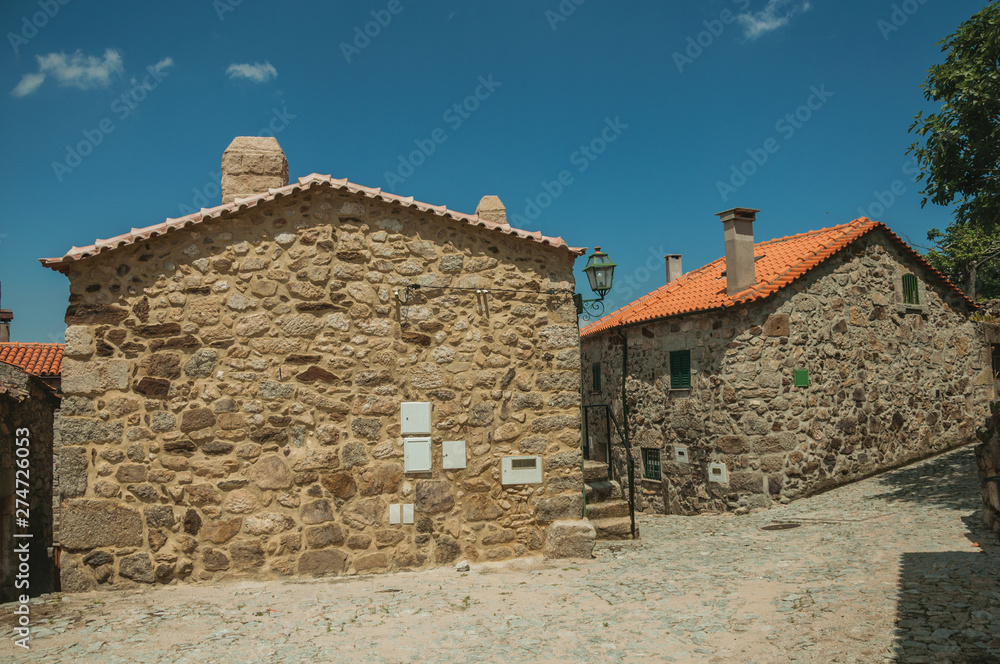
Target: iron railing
609 418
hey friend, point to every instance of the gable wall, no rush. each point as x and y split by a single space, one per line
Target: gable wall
887 385
233 394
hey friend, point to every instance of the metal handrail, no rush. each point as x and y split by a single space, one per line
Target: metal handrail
630 461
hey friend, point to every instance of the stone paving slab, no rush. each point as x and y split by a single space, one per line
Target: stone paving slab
917 582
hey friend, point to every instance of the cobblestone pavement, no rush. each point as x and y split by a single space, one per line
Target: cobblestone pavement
892 569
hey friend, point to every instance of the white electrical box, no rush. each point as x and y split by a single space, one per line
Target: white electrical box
415 418
453 454
681 454
417 455
407 512
521 470
394 514
717 473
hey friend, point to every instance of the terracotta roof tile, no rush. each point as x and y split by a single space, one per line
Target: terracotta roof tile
34 359
61 264
779 263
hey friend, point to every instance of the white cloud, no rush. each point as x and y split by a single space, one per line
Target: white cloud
76 70
28 84
258 73
777 14
163 64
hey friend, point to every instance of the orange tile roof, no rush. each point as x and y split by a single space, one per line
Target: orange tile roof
34 359
779 262
61 264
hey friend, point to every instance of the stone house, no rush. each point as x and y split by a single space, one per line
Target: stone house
29 397
316 378
787 367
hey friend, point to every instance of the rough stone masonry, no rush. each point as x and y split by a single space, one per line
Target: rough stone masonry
233 388
888 384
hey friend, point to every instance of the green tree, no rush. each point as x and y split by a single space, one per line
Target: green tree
959 150
966 255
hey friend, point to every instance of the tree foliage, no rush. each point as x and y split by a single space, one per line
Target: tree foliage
959 150
967 255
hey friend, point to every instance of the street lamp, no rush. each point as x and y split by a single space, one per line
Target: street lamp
600 273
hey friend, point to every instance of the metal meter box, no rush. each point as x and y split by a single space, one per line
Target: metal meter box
521 470
417 455
395 513
453 454
717 473
681 454
415 418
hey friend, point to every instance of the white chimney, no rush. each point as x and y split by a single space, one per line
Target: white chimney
741 269
673 267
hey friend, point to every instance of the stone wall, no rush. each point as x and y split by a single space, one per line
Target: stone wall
27 408
988 458
888 384
233 394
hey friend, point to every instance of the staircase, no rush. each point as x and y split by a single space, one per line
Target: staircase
606 509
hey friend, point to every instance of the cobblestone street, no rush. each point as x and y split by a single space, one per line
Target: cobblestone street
891 569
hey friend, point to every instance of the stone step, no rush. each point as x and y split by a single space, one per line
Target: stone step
607 509
601 491
619 527
594 471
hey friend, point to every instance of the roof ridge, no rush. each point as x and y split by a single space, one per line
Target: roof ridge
75 253
782 261
848 227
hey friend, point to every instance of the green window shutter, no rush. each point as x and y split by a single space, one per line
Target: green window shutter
680 369
801 378
911 293
651 464
596 374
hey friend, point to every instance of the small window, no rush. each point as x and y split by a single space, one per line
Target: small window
911 294
680 369
651 464
595 369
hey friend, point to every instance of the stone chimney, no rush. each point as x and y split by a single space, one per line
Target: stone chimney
491 209
252 165
6 316
673 266
741 268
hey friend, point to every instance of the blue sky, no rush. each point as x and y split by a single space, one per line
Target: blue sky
624 125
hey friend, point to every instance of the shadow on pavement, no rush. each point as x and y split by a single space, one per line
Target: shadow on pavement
948 605
950 480
948 610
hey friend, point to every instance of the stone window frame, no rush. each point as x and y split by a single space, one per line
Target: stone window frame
903 307
646 465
